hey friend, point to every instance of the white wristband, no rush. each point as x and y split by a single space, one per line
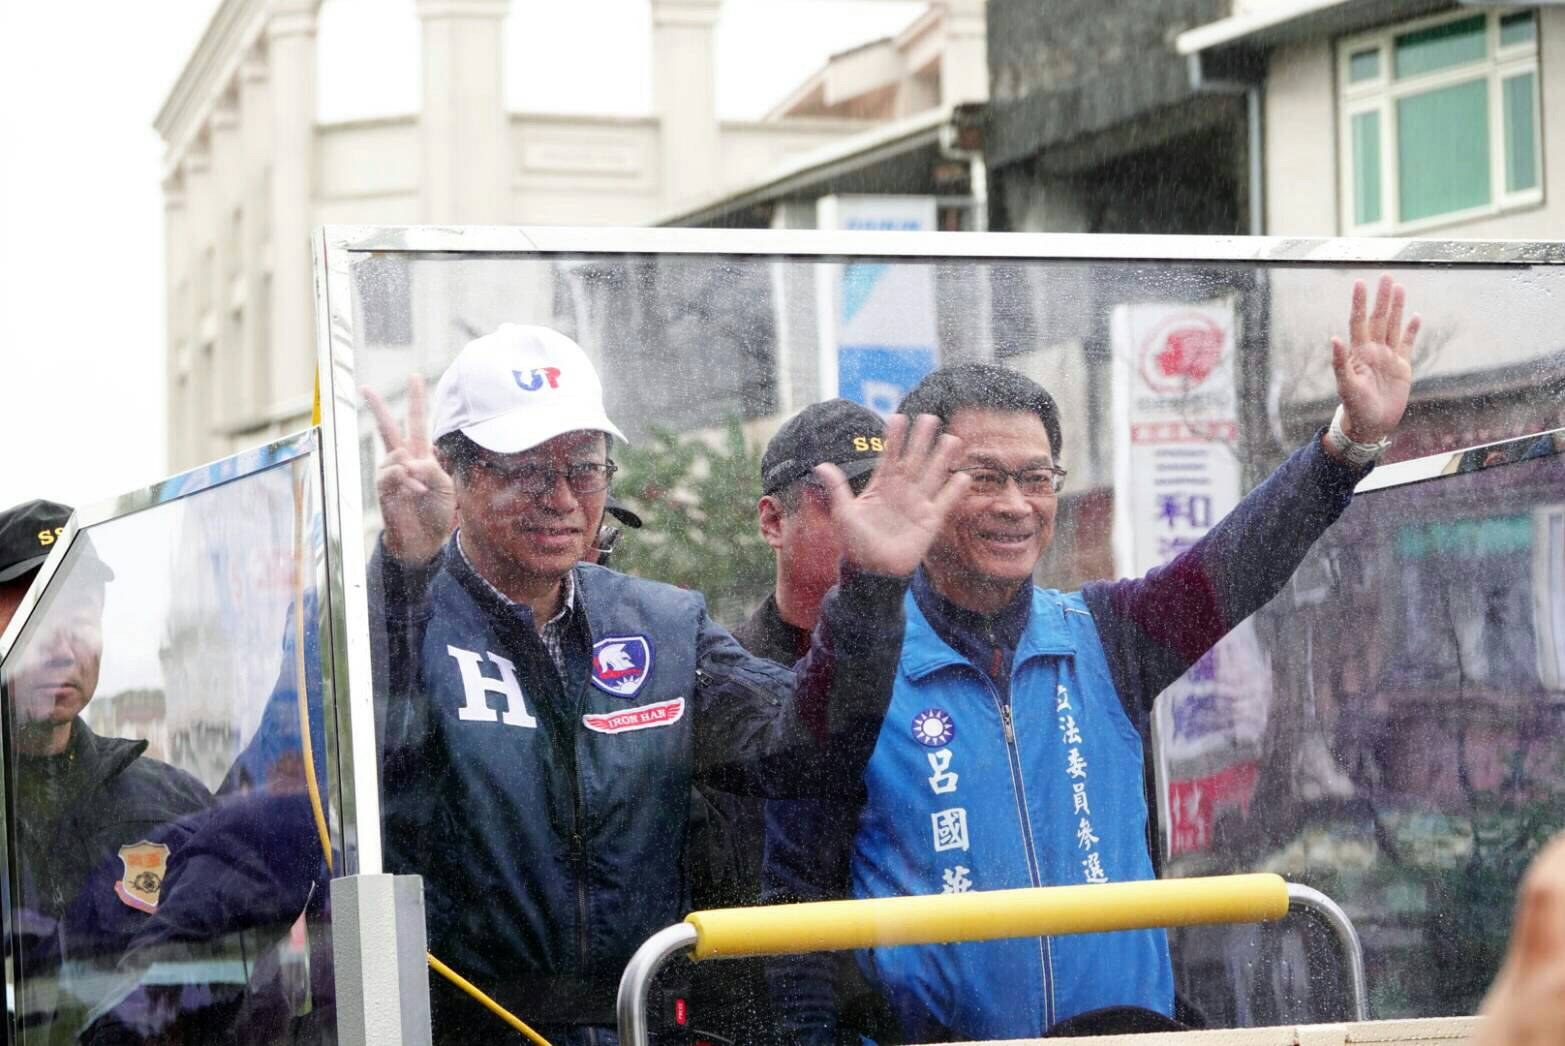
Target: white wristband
1359 454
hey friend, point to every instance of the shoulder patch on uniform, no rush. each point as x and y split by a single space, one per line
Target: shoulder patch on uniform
146 863
621 664
643 717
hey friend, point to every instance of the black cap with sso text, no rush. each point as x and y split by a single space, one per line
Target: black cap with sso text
837 431
27 535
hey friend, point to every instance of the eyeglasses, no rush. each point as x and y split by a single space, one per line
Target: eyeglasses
989 480
584 477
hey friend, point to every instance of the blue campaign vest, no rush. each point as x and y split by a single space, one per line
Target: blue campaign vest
952 804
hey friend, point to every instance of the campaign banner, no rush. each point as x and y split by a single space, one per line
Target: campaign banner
1196 804
1176 474
877 319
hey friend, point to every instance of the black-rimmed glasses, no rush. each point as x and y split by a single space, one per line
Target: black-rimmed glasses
584 477
989 480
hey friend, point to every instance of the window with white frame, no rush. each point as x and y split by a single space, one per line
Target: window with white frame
1439 121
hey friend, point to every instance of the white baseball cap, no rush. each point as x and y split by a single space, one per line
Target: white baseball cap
520 386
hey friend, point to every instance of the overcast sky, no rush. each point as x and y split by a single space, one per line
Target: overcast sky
81 252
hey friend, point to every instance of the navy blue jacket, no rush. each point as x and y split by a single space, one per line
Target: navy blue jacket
549 817
250 864
75 919
1012 756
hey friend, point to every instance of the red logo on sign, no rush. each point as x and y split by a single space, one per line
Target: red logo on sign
666 713
1181 353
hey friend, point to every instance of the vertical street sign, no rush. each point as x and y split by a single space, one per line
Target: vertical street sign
1176 473
877 319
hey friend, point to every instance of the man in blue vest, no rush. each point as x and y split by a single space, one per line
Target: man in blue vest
1012 752
544 719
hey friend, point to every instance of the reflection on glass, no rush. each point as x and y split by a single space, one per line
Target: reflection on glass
170 865
701 358
1413 760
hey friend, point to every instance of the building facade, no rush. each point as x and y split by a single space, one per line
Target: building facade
250 170
1405 119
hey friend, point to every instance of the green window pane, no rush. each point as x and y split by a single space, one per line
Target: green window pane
1364 65
1440 47
1443 150
1366 168
1518 28
1521 148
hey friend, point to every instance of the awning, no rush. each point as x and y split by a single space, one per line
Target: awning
1282 23
821 167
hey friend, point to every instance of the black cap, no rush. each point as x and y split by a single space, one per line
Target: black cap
27 535
838 431
625 515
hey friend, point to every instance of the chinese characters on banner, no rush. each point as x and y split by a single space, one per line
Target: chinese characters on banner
1176 473
1076 772
877 319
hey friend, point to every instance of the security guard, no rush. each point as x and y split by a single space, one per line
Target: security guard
96 819
731 999
545 718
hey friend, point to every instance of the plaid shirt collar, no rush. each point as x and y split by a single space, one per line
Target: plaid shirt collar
567 591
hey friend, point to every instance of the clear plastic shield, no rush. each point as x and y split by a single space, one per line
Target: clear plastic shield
1375 720
173 807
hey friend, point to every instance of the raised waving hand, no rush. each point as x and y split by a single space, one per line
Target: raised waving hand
891 524
1374 369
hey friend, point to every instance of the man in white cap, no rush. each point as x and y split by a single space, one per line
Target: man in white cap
544 719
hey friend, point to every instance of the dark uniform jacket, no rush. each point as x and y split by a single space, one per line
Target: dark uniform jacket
731 998
549 816
91 877
251 864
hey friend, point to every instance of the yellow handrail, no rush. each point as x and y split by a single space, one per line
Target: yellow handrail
987 915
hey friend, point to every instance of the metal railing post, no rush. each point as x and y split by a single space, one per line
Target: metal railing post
631 1004
1305 899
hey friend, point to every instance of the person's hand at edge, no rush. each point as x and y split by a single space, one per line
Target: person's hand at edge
1526 1003
417 497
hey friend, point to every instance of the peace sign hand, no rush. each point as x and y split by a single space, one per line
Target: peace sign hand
888 528
417 497
1375 372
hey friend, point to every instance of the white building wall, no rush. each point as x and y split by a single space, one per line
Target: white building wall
1302 154
1300 142
251 171
367 160
575 170
748 148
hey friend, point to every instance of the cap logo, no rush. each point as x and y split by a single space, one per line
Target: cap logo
621 664
868 443
534 379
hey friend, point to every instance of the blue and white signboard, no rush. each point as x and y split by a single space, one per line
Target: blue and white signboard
877 318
